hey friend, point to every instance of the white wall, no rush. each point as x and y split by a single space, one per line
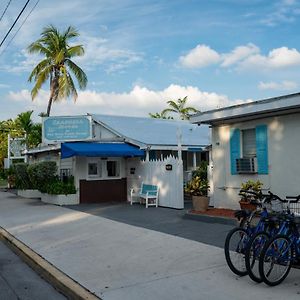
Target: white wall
284 160
81 168
170 183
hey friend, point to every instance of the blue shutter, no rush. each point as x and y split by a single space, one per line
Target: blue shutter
262 149
235 148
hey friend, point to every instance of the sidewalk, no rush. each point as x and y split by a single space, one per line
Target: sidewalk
121 261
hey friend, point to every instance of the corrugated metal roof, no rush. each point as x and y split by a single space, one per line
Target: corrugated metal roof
263 108
151 131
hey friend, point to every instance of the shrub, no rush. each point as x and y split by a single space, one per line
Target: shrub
21 176
41 174
197 186
201 171
58 187
250 185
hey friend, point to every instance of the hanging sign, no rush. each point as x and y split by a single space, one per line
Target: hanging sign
62 129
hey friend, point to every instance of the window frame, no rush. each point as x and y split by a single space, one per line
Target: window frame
99 169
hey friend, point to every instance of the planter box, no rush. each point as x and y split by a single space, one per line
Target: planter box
30 194
200 203
247 205
70 199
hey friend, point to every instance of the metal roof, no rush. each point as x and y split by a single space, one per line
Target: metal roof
151 131
250 110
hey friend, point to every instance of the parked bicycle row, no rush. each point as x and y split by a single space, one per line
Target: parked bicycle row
266 244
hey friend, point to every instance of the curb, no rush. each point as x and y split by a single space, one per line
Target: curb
59 280
210 219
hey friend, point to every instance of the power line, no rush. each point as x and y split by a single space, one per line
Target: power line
5 10
20 27
13 25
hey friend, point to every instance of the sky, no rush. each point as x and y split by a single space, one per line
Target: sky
140 54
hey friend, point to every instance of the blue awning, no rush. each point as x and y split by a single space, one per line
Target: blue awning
100 150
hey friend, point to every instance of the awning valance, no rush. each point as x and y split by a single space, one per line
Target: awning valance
100 150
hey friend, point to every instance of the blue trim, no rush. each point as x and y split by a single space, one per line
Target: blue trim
235 148
262 149
100 150
194 149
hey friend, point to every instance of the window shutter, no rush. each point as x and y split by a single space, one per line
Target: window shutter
235 148
262 149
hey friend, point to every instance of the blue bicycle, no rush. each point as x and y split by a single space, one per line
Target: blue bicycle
281 252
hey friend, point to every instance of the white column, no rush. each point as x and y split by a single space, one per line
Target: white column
179 142
8 150
194 160
147 154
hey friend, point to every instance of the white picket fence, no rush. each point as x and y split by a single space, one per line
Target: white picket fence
170 182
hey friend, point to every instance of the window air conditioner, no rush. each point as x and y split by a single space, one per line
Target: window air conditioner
246 165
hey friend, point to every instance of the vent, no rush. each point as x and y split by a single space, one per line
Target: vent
246 165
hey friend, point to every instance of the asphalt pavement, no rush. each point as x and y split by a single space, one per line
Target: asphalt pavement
160 219
19 282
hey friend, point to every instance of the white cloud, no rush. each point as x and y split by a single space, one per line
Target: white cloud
278 86
238 54
243 57
199 57
277 58
98 51
137 102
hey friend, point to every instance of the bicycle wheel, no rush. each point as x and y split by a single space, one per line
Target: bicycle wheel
252 254
235 246
276 260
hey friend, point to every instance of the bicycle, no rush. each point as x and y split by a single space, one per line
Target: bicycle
281 252
237 239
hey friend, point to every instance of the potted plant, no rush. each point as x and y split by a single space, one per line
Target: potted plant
247 199
197 188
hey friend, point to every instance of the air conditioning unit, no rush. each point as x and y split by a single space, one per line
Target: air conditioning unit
246 165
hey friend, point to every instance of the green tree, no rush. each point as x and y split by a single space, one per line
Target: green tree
162 115
57 65
179 107
33 131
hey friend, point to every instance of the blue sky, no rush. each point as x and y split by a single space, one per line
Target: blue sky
139 54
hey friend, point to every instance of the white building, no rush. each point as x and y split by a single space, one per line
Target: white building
104 153
256 140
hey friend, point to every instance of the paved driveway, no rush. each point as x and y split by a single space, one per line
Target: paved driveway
118 261
160 219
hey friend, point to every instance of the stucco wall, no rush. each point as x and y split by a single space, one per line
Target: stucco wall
284 160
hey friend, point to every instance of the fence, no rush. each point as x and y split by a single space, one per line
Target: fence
166 173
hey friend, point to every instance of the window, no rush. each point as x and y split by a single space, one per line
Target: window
94 169
248 143
113 168
254 144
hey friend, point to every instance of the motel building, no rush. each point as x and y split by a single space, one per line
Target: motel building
258 140
109 155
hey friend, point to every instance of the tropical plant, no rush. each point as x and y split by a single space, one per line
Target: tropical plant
179 107
161 115
197 186
21 176
58 187
252 186
41 174
201 171
57 64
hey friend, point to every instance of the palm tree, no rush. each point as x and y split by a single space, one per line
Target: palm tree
24 122
162 115
57 64
178 107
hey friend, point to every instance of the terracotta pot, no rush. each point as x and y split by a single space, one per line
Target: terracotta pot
247 205
200 203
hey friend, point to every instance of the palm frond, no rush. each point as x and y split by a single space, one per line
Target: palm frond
78 72
77 50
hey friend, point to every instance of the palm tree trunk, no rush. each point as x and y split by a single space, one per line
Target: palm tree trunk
49 105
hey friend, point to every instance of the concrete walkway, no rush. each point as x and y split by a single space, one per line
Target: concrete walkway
121 261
